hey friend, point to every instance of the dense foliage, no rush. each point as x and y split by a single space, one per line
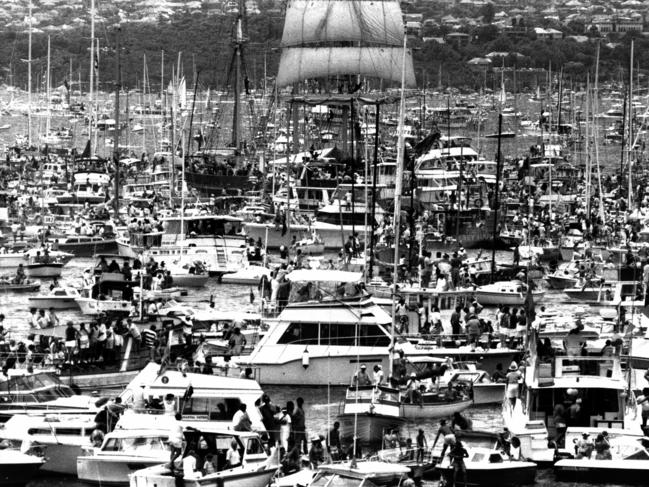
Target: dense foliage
205 44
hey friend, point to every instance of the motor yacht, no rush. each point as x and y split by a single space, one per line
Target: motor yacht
255 470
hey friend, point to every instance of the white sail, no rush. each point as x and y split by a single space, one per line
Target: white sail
317 21
299 64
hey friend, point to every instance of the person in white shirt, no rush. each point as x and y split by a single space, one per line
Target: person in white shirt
378 375
176 440
190 470
233 457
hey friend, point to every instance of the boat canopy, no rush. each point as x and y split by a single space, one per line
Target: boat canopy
317 275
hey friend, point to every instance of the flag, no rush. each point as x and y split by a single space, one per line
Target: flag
252 297
97 57
66 84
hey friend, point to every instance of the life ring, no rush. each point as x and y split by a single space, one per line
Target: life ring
478 203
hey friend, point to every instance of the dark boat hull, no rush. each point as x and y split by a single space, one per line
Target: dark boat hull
108 246
17 475
630 474
497 477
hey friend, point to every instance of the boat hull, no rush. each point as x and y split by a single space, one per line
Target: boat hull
190 280
332 236
252 476
47 302
509 299
488 393
498 474
43 270
107 246
18 474
435 410
562 282
114 470
319 373
603 471
89 306
369 428
20 288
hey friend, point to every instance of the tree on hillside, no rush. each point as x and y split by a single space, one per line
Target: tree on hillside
487 12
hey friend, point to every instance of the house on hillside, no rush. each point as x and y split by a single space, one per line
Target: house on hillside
547 34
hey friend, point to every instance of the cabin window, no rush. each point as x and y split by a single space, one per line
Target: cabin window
639 455
300 334
373 336
253 447
216 408
337 334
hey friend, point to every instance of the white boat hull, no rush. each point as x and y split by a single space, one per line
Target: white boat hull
89 306
11 260
332 236
113 470
437 410
495 298
47 302
254 475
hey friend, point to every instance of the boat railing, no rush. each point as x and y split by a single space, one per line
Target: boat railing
580 366
432 341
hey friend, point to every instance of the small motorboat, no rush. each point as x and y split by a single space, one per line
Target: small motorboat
629 463
255 470
487 467
369 411
44 269
250 274
432 406
58 298
509 293
8 285
17 468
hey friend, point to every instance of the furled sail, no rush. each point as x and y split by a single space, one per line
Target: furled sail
324 38
298 64
317 21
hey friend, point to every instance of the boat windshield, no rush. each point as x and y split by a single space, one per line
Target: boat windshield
136 444
371 394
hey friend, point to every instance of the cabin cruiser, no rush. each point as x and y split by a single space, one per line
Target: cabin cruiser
255 469
215 239
63 437
58 298
316 335
138 441
628 462
489 467
596 383
347 213
368 412
509 293
40 392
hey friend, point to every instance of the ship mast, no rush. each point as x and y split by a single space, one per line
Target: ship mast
238 40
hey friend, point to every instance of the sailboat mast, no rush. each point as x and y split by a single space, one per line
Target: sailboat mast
29 79
91 107
238 46
397 193
589 171
496 197
48 88
118 86
630 143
